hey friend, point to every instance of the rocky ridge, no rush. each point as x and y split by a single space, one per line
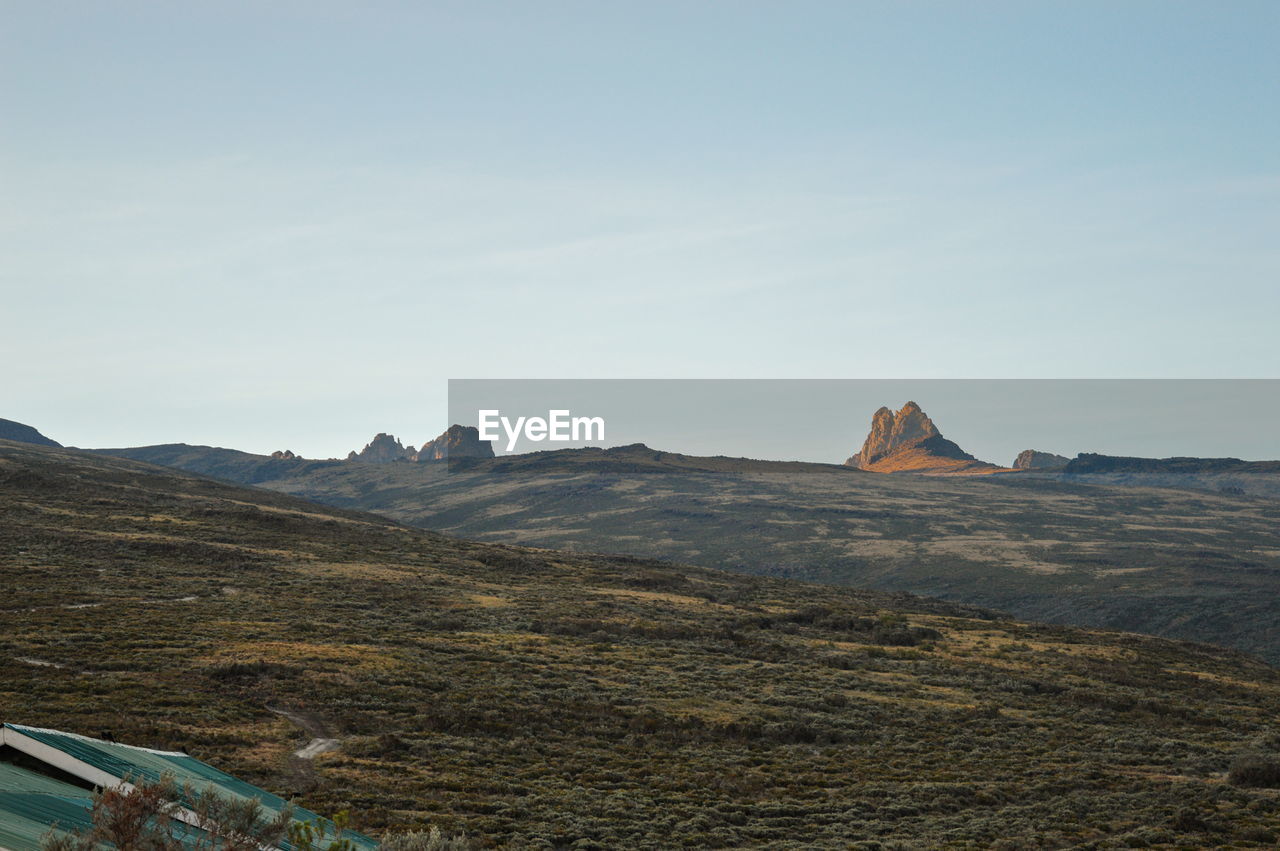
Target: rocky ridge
383 449
457 441
909 442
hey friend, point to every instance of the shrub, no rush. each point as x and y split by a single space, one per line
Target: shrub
426 840
1257 770
1258 833
141 818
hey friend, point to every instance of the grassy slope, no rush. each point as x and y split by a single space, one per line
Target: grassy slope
1180 563
543 699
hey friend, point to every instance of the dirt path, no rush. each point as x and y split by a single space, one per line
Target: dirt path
31 660
321 743
315 747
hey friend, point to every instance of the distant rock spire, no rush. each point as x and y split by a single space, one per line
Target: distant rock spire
892 432
383 449
458 441
909 442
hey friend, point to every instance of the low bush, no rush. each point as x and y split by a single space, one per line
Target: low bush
1256 770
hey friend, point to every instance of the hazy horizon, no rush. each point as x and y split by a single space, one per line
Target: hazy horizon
826 420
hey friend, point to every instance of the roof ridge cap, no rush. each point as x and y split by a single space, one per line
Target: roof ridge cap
22 728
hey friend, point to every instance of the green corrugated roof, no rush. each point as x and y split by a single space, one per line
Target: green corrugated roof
31 804
14 778
145 763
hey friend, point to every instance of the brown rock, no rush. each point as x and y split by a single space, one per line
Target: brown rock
1033 459
892 432
909 442
457 442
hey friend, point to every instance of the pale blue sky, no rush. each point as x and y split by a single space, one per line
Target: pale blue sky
286 224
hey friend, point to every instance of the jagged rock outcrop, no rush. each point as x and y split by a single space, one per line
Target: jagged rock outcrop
909 442
383 449
458 441
1033 459
285 455
9 430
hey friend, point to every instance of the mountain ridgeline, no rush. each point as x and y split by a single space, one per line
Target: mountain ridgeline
457 442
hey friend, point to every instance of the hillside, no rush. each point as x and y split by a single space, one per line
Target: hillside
1187 564
230 464
542 699
10 430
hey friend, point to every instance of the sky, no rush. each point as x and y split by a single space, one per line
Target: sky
288 224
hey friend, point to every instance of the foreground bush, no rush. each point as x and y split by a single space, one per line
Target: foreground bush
426 840
1257 770
144 818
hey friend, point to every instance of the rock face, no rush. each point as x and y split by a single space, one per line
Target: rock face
1033 459
9 430
285 455
909 442
457 442
383 449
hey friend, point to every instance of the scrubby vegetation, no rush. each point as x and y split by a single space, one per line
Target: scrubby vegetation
1257 770
1185 564
540 699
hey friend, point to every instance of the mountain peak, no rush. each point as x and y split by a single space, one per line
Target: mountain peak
891 433
383 449
458 441
909 442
